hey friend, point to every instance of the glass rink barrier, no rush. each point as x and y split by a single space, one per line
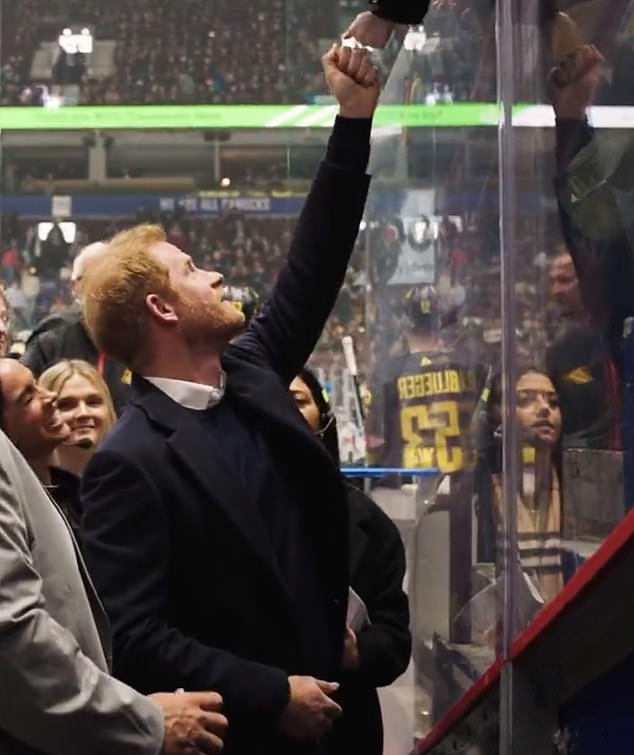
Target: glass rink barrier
431 372
480 357
494 384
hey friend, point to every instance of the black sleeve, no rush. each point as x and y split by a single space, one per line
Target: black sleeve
385 645
571 137
285 333
40 352
401 11
125 538
596 230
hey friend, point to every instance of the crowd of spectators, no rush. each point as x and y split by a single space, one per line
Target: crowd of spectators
21 31
195 51
267 51
249 250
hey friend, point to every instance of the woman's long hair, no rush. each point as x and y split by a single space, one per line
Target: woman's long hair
56 376
489 460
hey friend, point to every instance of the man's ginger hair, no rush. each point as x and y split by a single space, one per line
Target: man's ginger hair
116 288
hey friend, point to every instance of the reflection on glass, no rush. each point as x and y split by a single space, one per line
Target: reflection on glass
539 501
538 564
536 560
162 52
430 389
580 364
422 297
434 330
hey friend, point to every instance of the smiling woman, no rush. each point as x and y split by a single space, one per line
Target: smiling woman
29 415
30 418
85 404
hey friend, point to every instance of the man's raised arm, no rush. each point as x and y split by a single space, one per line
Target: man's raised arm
286 332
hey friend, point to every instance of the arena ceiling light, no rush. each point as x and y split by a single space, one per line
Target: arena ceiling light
415 39
73 41
68 229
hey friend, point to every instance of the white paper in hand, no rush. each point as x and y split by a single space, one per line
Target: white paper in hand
357 616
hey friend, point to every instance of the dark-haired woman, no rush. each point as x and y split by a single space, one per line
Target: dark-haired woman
379 652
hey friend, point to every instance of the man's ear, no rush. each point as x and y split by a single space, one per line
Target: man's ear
160 309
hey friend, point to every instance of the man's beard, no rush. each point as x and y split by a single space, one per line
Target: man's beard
203 323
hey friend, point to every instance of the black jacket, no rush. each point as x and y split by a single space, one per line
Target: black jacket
186 572
401 11
377 571
64 337
594 191
594 185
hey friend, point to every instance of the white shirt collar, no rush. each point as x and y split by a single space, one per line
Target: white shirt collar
191 395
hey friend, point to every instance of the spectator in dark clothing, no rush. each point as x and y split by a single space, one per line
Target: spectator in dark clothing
64 336
209 465
594 181
594 184
378 653
580 366
68 68
54 253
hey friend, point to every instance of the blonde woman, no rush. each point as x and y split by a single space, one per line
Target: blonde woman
85 404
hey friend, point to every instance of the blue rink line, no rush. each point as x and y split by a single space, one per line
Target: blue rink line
386 471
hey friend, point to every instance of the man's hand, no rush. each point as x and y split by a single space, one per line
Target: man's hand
370 30
350 660
574 83
310 712
353 80
194 724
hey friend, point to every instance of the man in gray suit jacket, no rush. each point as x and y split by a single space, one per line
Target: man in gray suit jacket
57 696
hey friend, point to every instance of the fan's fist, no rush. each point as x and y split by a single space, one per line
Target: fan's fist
575 81
353 80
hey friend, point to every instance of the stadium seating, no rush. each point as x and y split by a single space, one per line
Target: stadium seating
194 51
